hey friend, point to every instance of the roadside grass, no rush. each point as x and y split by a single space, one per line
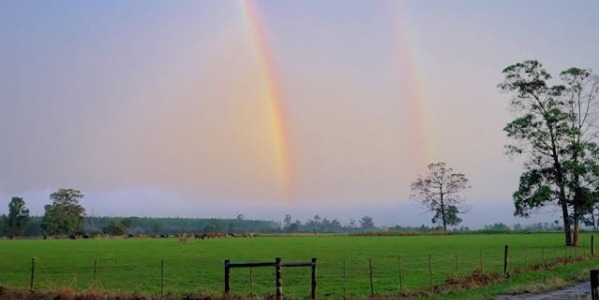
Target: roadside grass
536 282
196 267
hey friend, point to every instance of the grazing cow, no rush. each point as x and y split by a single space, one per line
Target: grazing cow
72 237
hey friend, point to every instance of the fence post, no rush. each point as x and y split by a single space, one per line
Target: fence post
595 284
430 272
543 258
32 273
95 273
344 281
227 277
457 264
251 284
527 264
399 270
313 290
279 280
371 277
481 261
506 274
161 278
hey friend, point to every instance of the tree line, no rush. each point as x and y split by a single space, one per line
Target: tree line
65 216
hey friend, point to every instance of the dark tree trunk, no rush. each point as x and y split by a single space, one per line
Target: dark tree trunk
443 211
559 178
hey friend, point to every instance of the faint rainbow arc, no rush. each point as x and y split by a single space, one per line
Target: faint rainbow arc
277 115
423 146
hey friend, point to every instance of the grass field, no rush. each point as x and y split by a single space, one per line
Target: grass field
197 266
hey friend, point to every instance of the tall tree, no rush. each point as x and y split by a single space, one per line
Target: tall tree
367 222
554 129
115 227
581 96
65 215
451 216
3 222
18 217
440 192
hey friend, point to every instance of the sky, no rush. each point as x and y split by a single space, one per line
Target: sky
270 107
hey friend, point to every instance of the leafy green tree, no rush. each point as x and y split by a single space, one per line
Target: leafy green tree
157 228
440 192
212 226
18 217
3 222
287 221
115 227
126 222
367 222
451 216
65 215
554 130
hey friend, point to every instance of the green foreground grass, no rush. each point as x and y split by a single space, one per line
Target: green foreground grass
197 266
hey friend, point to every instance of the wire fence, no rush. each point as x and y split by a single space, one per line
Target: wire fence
336 278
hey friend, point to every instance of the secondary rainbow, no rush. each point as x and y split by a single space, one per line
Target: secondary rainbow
271 93
423 148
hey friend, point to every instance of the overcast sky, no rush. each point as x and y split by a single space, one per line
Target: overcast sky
158 108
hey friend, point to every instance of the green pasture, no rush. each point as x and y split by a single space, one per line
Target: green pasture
198 265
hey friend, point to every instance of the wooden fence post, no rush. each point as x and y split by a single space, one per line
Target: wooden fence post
371 277
313 290
279 280
481 261
227 277
430 272
506 274
400 274
32 273
251 284
95 273
457 264
595 284
161 277
543 258
344 281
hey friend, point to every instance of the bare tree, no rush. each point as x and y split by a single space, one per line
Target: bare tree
439 192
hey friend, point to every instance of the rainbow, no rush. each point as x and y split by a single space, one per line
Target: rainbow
271 93
423 149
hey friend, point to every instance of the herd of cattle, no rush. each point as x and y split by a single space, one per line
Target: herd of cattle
210 235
